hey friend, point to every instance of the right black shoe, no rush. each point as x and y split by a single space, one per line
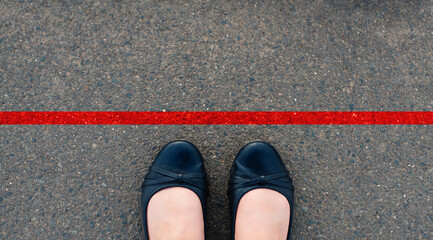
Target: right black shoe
178 164
258 165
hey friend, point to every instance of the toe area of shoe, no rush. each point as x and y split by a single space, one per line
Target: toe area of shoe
258 158
180 155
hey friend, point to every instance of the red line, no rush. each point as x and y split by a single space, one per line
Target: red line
220 118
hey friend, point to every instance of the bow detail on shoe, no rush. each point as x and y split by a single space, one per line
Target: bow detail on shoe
240 180
159 175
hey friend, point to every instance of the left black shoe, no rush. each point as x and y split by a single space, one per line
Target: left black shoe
178 164
258 165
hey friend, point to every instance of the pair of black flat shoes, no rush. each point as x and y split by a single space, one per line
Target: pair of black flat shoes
180 164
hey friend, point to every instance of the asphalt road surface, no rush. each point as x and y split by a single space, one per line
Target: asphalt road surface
83 182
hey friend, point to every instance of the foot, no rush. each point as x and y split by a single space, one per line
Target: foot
262 214
175 213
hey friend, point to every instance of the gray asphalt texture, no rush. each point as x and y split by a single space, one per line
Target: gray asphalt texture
83 182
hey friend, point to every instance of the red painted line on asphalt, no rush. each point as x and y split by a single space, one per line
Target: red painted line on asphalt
215 118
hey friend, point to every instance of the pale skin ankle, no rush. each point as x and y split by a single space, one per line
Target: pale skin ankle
262 214
175 213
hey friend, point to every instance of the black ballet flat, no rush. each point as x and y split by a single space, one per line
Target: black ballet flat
178 164
258 165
